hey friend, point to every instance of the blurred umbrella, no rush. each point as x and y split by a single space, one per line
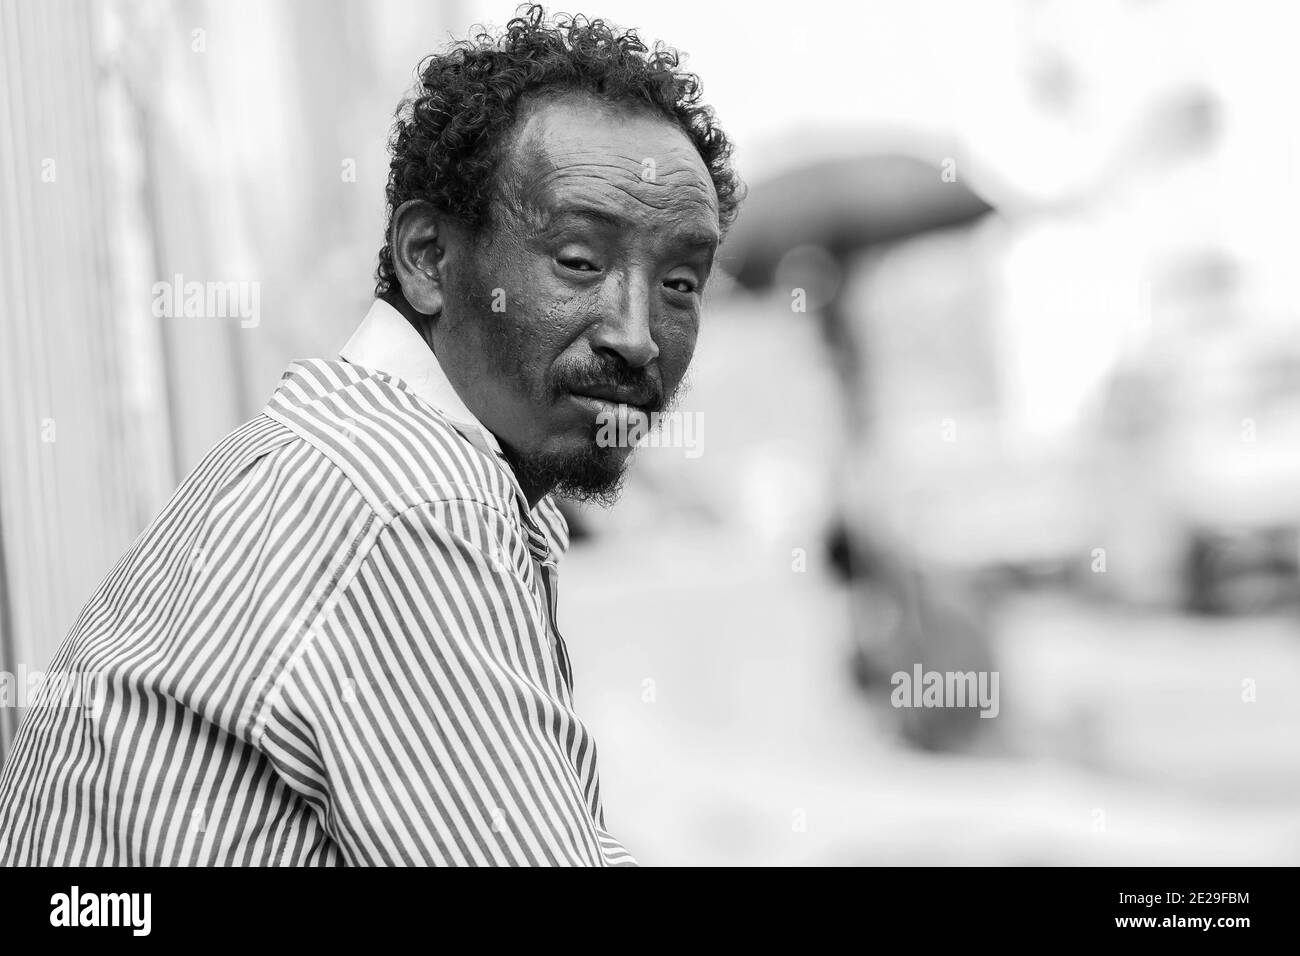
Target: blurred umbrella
802 227
843 205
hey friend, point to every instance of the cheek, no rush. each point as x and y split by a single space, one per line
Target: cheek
544 328
560 315
676 341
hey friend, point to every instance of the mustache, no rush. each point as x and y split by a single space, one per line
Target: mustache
601 376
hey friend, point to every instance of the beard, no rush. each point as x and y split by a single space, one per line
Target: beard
593 472
589 474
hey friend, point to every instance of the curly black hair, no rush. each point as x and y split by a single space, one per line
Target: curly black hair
445 142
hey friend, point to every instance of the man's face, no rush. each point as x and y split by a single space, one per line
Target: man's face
580 304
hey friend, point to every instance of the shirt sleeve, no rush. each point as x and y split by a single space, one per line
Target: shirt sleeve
424 719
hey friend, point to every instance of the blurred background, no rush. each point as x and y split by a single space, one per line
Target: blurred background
1001 374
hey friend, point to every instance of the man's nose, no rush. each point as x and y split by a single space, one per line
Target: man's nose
626 329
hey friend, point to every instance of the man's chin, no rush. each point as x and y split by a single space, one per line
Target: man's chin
589 489
589 473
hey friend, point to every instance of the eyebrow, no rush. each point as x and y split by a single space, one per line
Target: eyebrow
692 239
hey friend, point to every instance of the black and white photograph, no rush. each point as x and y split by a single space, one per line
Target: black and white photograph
650 433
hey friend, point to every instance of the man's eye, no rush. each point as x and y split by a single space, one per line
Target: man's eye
578 265
685 286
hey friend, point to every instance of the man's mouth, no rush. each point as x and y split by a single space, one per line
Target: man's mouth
610 397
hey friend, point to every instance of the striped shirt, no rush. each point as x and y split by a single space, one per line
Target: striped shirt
336 645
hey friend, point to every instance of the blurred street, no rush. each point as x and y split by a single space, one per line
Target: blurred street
754 719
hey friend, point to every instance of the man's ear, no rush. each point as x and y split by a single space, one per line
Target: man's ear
417 237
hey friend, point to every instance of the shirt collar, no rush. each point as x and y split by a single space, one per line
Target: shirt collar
386 342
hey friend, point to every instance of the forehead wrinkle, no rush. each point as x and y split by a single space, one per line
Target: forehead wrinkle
558 186
667 167
663 170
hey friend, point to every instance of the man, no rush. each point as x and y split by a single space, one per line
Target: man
337 644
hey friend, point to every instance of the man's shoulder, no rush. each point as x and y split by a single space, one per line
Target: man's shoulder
397 449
